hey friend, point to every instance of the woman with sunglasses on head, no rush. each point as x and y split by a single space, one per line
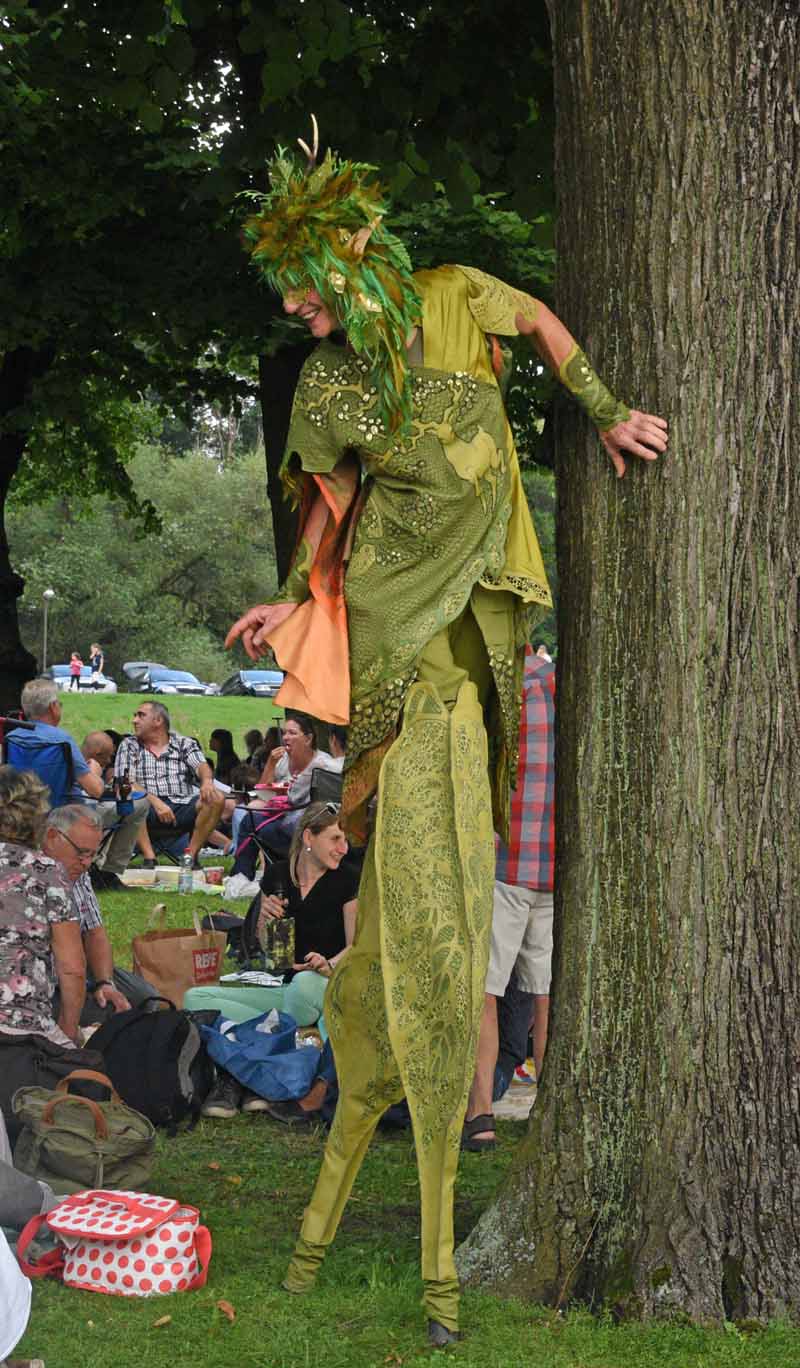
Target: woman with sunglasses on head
319 892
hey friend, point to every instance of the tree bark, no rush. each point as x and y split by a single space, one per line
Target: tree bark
277 382
18 372
661 1165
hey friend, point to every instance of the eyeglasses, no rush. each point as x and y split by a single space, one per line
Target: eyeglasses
82 854
333 808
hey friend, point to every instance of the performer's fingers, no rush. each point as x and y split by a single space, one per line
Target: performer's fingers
650 418
236 630
653 436
617 462
636 449
247 642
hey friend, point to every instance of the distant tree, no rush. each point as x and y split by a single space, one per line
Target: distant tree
168 594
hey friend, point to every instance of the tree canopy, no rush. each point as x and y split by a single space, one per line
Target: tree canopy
127 133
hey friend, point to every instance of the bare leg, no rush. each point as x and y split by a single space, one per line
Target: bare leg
480 1094
541 1015
208 814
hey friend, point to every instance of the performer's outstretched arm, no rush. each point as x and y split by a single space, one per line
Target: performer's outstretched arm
619 428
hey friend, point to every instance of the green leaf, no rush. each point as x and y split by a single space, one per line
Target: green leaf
179 51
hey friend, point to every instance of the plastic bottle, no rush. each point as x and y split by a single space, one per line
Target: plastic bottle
185 875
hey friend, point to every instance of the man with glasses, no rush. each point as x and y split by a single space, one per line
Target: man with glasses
72 836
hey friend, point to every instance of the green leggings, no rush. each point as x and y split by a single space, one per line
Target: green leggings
302 998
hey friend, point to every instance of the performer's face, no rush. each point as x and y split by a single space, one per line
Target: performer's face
308 306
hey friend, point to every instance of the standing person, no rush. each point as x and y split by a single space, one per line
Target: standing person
168 768
75 667
411 591
97 663
522 923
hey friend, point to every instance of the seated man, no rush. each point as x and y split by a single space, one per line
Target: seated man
115 854
71 837
41 705
168 767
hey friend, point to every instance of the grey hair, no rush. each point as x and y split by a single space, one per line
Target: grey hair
158 710
37 695
64 818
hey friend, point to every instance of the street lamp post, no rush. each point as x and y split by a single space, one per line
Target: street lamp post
46 596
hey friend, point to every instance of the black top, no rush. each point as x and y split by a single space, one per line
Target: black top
319 917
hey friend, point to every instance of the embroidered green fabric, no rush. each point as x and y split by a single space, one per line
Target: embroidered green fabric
403 1007
604 410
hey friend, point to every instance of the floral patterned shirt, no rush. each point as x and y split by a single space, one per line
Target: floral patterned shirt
34 893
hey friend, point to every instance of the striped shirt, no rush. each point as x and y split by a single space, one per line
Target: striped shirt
528 859
171 775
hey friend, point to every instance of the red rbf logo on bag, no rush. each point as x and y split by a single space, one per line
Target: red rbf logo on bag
206 965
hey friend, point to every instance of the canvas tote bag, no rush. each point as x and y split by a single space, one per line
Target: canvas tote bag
176 960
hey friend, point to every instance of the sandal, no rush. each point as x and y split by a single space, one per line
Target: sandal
475 1127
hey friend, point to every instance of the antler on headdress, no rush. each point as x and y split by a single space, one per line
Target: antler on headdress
322 227
311 152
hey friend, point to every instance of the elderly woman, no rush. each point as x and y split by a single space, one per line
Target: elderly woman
40 939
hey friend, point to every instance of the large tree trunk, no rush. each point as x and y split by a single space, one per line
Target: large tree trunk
18 372
661 1166
277 382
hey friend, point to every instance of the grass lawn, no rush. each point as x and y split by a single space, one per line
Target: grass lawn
193 716
250 1179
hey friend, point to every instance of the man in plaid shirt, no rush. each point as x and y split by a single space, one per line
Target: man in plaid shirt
169 767
522 922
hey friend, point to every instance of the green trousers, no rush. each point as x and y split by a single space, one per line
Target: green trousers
302 998
403 1006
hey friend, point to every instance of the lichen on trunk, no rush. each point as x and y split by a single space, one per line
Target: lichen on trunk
660 1168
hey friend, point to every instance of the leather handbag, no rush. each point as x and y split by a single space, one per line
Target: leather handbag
129 1244
74 1143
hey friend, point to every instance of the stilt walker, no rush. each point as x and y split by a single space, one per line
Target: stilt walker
412 594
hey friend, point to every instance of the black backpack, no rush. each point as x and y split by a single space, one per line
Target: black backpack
32 1061
157 1062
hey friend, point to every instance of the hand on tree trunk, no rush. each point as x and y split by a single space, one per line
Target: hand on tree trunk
643 435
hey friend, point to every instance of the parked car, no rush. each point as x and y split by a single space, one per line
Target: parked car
257 683
60 676
148 677
137 670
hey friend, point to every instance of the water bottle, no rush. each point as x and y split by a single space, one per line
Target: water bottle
185 875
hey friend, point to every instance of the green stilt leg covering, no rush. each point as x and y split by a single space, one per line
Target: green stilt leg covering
404 1005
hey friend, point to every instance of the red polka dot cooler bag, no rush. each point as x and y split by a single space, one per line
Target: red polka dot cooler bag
131 1244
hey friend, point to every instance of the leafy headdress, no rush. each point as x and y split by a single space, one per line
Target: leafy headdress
321 227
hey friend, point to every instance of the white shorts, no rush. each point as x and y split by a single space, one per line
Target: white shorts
522 935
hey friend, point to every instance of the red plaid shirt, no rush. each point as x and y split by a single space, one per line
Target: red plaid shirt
528 859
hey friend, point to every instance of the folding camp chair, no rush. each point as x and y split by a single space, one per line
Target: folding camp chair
51 761
326 786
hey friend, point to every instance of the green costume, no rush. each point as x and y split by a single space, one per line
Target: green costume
413 592
443 573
